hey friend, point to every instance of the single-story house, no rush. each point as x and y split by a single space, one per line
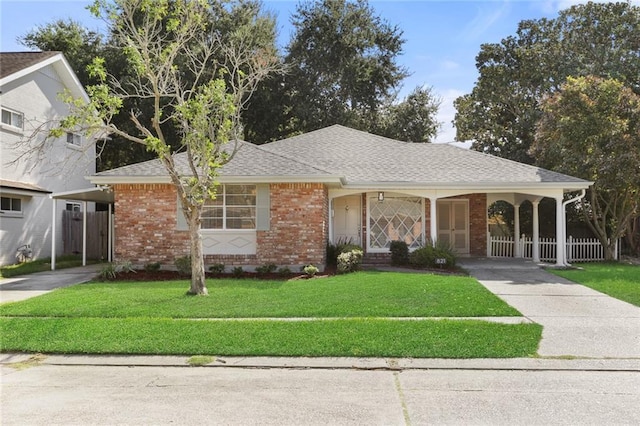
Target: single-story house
281 202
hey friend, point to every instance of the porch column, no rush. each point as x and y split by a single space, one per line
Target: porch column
560 243
536 232
84 233
433 218
516 231
53 235
110 236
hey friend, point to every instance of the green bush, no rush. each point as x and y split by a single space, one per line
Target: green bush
108 272
425 257
217 268
183 265
350 261
399 253
152 266
237 272
310 270
342 246
266 268
284 271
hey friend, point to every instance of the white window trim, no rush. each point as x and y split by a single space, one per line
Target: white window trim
224 206
13 213
9 126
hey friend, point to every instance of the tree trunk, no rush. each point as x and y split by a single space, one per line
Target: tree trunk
198 285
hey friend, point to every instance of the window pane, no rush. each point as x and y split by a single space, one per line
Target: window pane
241 223
240 189
211 217
16 204
17 120
241 200
241 217
6 116
5 203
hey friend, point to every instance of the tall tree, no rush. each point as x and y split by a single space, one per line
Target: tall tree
413 119
198 80
501 112
341 64
590 128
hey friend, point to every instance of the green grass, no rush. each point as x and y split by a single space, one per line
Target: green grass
362 294
40 265
347 337
617 280
346 315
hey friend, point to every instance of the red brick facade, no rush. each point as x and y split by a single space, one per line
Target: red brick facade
146 228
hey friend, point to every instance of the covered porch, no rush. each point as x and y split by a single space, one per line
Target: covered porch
373 218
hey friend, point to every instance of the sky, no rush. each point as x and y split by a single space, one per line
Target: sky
442 38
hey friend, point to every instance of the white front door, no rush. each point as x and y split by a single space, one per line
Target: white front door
347 218
453 224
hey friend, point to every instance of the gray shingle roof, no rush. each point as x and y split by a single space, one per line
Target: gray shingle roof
12 62
360 158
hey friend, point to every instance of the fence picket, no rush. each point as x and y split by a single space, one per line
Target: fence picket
577 249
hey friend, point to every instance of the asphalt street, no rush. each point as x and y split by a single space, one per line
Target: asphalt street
154 395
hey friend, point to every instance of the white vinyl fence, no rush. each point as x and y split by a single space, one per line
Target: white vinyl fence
578 249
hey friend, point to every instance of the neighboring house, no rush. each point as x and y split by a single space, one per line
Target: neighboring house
281 202
30 88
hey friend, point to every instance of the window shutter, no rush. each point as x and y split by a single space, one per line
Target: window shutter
263 207
181 221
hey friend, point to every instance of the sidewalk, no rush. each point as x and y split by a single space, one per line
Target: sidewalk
26 286
577 321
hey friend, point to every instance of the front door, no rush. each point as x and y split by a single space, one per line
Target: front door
347 217
453 224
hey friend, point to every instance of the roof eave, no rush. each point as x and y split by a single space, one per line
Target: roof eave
114 180
480 186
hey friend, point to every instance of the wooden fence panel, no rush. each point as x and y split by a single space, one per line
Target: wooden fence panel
97 233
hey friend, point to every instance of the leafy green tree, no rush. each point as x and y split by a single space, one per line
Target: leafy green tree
342 65
413 119
194 77
590 128
501 112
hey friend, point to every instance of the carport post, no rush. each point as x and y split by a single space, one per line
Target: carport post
433 217
560 243
84 233
109 236
53 235
536 232
516 229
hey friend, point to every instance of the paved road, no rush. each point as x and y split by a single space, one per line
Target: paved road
145 395
576 320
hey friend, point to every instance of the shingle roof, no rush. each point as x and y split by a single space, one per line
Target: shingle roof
360 158
12 62
363 158
249 161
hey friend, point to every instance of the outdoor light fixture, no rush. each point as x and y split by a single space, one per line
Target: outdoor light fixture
380 196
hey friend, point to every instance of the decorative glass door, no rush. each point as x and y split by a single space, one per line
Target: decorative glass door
453 224
395 218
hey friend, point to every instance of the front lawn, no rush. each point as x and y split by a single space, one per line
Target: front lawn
362 294
346 315
41 265
615 279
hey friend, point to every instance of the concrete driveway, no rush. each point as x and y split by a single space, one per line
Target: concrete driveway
577 320
26 286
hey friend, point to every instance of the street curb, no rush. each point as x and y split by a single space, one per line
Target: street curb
382 364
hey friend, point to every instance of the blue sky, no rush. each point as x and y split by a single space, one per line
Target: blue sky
442 37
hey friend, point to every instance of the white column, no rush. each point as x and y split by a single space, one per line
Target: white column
109 236
53 235
560 255
516 231
84 233
433 218
536 232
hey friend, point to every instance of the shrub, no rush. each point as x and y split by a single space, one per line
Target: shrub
152 267
217 268
342 246
284 271
425 257
399 253
422 257
310 270
108 272
266 268
237 272
350 261
183 265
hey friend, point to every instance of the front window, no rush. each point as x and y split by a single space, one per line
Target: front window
12 118
233 208
72 207
395 219
10 205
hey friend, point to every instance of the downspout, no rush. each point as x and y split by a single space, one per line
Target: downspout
564 216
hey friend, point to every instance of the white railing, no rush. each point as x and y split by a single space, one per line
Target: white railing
577 249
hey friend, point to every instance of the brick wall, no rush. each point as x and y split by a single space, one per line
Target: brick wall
145 224
478 224
298 231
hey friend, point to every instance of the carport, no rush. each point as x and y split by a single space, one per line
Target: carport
97 194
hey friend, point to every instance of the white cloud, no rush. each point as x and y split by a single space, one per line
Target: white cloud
446 114
485 19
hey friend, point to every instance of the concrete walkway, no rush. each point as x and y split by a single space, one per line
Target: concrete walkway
577 321
26 286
